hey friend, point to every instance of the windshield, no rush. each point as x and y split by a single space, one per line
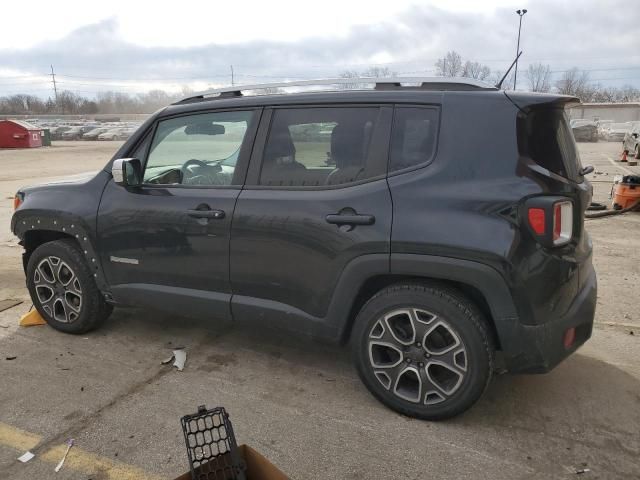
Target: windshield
174 144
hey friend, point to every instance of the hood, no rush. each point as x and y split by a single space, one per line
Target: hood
77 179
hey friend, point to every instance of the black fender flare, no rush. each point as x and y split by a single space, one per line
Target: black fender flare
35 220
487 280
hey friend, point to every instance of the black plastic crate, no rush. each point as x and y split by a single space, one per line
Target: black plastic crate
211 446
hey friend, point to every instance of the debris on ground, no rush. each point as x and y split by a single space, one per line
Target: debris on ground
64 457
582 470
11 357
8 303
179 358
25 457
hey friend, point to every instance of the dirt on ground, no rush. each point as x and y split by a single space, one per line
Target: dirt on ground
301 404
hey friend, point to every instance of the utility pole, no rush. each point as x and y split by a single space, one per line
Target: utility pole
55 88
231 75
515 73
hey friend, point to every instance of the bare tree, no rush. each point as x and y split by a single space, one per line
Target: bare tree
475 70
496 76
450 65
378 72
627 93
371 72
576 83
539 77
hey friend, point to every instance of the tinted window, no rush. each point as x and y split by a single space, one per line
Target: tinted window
413 139
319 146
197 149
545 136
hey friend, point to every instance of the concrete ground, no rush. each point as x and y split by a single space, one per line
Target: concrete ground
301 404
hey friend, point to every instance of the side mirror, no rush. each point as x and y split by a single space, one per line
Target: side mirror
586 170
127 172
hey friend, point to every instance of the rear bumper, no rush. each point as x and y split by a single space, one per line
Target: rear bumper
539 348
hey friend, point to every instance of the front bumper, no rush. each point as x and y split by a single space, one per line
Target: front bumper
539 348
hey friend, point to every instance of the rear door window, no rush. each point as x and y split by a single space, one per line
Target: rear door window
545 137
316 147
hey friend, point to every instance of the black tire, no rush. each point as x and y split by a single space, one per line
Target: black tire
80 303
431 305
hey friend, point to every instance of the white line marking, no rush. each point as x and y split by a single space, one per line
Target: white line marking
626 170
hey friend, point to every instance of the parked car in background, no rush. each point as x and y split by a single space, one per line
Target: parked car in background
585 131
631 143
75 133
616 132
114 134
56 132
603 125
93 134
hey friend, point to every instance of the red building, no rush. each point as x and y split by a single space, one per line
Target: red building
19 134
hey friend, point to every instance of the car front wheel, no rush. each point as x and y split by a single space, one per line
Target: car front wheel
63 289
423 350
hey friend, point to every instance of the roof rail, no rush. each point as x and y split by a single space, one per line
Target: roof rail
355 83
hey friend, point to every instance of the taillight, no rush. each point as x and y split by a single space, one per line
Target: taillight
550 220
562 222
537 220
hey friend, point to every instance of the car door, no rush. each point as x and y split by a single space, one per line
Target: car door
316 198
166 243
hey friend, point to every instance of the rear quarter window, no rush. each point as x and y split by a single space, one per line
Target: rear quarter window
545 136
413 138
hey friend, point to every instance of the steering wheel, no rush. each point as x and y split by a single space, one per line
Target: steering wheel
188 163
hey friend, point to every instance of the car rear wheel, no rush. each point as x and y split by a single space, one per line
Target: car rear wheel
63 289
423 350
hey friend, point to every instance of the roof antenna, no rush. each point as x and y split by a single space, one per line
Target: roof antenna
499 84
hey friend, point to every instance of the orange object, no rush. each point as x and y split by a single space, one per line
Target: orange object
624 156
31 319
625 195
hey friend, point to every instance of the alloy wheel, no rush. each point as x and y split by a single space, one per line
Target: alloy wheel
417 356
58 289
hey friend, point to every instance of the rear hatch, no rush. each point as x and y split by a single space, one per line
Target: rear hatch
546 141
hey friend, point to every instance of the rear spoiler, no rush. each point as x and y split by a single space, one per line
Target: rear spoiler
526 101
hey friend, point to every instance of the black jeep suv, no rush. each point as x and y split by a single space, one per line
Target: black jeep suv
429 225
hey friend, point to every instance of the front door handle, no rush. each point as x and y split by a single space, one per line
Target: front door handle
213 214
348 219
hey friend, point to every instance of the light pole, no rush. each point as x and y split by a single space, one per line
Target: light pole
515 73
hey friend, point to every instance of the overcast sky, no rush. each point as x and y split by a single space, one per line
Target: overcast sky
132 46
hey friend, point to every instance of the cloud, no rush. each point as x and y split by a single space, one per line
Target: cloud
596 36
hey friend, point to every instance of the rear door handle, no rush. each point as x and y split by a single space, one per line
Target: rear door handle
346 219
213 214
